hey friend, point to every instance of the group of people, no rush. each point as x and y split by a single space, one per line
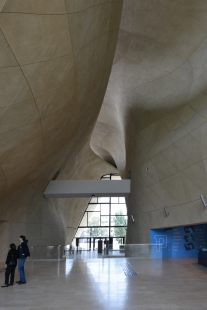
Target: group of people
21 255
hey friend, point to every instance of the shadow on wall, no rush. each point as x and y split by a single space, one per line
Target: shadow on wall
104 154
167 22
157 99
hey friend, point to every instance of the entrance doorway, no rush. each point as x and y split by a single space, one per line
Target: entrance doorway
91 244
104 219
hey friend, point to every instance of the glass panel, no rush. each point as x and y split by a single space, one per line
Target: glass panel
79 232
93 219
94 200
122 200
119 220
115 177
104 209
98 232
91 213
104 199
84 244
93 207
85 233
98 212
84 221
105 221
118 232
119 209
117 242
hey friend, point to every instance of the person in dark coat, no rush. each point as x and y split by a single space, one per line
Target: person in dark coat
23 255
11 263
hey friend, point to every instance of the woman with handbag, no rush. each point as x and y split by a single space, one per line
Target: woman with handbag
11 263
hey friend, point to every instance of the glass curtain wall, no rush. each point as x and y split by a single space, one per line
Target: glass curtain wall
105 217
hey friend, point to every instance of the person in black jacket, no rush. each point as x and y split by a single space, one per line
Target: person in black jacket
23 255
11 263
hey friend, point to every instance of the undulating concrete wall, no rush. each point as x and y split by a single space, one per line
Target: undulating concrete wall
55 62
153 122
48 222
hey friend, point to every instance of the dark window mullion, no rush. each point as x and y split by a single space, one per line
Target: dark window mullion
109 217
99 227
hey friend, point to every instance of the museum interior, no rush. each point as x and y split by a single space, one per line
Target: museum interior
106 91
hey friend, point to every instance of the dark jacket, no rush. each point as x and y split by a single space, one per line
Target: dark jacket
9 256
23 250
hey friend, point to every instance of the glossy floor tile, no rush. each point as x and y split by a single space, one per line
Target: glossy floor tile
89 284
93 254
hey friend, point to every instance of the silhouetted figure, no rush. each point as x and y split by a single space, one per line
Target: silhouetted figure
10 264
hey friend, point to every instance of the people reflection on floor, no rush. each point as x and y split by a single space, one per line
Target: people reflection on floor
10 264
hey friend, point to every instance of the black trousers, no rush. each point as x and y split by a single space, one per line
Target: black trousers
10 271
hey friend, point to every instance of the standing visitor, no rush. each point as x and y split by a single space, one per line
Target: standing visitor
23 255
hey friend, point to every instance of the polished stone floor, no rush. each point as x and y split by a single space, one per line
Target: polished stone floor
93 284
93 254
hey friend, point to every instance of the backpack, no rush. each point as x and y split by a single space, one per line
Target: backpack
12 262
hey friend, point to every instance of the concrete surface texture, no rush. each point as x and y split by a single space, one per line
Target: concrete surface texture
153 122
55 62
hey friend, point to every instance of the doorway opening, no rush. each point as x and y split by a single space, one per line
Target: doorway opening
104 219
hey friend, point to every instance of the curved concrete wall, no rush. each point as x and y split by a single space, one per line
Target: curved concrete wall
55 62
56 58
48 222
158 89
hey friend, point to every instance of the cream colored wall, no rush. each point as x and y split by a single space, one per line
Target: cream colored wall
55 62
89 166
49 222
169 171
154 112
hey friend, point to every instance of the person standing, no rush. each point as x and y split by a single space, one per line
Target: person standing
23 255
11 263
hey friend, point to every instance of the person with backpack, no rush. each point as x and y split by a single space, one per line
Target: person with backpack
23 255
11 263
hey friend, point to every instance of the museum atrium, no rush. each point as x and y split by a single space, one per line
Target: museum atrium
110 94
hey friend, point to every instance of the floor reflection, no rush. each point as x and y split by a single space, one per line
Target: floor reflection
110 280
100 284
68 266
109 283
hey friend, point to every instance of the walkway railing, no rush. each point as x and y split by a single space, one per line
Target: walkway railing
46 252
148 251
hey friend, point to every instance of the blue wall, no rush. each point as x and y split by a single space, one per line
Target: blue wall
178 242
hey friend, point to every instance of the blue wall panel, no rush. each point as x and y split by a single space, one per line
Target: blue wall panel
178 242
